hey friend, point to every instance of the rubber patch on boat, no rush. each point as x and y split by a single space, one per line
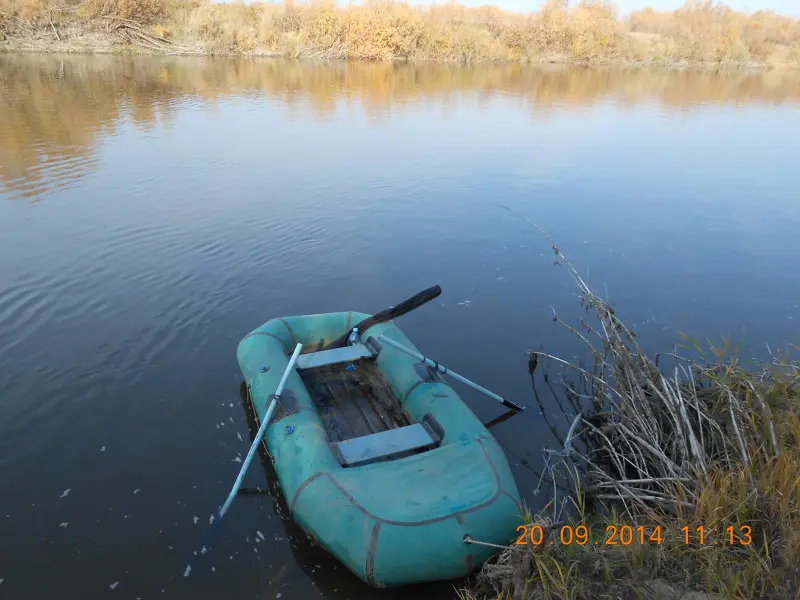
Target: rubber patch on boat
287 405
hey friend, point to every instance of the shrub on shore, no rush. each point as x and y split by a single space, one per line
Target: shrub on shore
384 30
588 31
702 31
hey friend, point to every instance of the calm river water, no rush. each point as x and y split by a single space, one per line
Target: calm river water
155 210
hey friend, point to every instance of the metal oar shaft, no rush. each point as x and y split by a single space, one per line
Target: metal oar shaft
261 430
456 376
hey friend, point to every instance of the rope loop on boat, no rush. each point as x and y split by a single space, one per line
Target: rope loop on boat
469 540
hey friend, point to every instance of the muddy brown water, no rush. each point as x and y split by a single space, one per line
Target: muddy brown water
155 210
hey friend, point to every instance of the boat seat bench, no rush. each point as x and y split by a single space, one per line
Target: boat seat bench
323 358
389 444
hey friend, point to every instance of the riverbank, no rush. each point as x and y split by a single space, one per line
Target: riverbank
674 478
697 35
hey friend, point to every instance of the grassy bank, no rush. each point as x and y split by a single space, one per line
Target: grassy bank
699 34
650 452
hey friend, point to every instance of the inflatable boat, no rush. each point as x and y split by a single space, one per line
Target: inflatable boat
380 461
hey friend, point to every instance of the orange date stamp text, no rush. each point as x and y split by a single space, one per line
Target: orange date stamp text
627 535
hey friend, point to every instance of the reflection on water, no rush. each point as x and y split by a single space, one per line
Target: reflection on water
155 210
55 111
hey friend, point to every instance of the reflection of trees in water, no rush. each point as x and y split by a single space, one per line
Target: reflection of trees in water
54 110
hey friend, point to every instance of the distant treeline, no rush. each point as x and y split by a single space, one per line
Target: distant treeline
699 33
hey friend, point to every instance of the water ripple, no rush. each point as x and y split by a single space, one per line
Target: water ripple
22 313
52 175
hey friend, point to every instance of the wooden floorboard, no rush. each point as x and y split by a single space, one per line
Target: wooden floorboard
353 403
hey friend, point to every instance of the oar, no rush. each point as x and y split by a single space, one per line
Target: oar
456 376
217 520
263 428
387 315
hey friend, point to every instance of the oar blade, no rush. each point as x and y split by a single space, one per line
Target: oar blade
394 312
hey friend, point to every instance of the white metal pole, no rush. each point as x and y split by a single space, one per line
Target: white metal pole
456 376
264 422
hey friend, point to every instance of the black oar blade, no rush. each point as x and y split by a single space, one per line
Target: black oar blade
404 307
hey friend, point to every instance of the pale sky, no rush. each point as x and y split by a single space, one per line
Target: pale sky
787 7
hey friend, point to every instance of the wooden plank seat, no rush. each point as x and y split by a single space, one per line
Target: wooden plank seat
314 360
389 444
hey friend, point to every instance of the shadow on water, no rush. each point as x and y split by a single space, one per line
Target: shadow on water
327 573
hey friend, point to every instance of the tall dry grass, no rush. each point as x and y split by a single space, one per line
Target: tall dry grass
144 11
588 31
32 11
24 15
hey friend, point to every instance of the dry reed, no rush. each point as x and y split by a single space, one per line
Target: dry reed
705 443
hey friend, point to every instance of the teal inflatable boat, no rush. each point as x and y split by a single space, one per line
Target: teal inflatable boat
379 460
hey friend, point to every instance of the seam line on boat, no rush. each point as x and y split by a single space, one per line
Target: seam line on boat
254 333
302 487
411 389
289 329
514 500
369 566
454 515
